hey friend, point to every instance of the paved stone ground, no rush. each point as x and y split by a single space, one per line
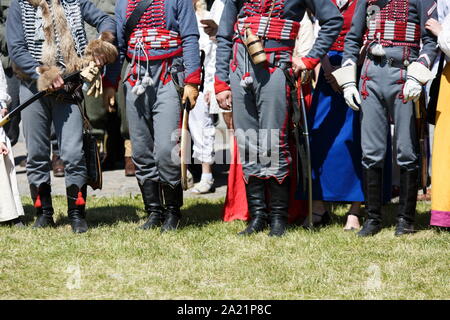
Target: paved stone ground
115 183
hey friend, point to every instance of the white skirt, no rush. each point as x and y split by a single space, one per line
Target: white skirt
10 204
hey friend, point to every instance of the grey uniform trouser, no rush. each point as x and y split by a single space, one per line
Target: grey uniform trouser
37 119
261 119
154 119
381 87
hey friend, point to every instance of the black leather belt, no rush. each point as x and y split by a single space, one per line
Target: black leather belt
281 65
389 61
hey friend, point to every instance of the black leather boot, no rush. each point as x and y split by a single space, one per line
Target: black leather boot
42 199
279 201
173 201
373 189
76 202
409 185
151 194
256 206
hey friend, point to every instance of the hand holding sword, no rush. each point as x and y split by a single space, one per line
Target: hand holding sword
39 95
188 97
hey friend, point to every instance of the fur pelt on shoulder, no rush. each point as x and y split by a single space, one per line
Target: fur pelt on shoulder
35 3
59 23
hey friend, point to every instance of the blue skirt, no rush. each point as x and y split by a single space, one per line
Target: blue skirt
335 144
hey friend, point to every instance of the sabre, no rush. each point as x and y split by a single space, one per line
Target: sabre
34 98
300 121
422 137
308 154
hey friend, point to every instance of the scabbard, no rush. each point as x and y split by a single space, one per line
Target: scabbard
297 131
301 135
422 140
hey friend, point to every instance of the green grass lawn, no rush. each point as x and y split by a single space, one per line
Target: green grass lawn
205 259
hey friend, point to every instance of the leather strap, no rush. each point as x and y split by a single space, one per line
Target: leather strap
390 61
135 16
380 3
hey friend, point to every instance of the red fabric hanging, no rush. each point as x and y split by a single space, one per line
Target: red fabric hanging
236 208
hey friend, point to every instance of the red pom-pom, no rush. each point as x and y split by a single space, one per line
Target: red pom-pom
38 203
80 201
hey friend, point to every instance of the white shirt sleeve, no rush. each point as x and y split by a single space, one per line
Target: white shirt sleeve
209 47
305 38
444 36
210 66
5 99
2 135
216 10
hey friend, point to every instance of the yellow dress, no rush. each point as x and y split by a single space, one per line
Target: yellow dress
440 200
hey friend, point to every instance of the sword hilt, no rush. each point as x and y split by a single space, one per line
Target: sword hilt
5 120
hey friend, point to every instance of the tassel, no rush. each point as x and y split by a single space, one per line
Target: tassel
80 201
246 81
136 87
147 80
38 203
140 90
377 50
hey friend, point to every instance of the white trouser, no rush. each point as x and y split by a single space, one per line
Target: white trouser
202 130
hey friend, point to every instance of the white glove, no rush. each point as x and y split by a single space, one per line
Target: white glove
412 90
350 95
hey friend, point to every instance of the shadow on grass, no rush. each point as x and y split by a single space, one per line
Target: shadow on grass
197 214
110 215
29 214
389 214
201 214
98 216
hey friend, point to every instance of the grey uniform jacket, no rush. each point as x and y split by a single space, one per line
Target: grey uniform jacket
325 11
419 13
